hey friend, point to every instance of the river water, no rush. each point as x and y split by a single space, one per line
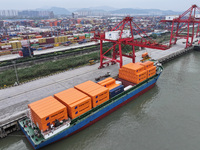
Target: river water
165 118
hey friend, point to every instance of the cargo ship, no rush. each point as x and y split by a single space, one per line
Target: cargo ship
68 112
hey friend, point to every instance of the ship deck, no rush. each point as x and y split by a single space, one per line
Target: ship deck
29 130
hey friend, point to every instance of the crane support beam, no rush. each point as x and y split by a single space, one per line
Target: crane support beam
187 20
125 39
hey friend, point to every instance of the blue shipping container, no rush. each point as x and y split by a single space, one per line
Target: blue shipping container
25 51
39 49
116 91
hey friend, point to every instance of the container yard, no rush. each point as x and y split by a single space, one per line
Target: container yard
62 104
66 32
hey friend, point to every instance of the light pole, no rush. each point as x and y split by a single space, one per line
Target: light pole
14 64
28 41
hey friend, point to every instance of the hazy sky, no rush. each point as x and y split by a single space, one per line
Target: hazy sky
176 5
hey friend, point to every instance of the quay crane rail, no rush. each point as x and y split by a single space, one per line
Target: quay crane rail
119 30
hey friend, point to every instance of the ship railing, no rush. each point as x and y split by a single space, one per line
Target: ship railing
66 123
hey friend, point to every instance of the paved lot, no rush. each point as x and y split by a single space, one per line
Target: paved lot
15 99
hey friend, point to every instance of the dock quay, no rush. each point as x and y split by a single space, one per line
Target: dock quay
14 100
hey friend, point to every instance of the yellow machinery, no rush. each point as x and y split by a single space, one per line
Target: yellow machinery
145 56
91 62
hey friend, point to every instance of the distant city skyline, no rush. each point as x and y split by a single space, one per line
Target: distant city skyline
178 5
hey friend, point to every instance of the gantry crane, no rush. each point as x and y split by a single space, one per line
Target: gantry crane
125 37
184 22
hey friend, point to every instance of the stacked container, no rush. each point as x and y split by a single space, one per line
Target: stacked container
61 39
6 46
42 41
98 93
38 36
133 72
71 39
76 102
107 82
114 89
44 112
65 38
81 36
50 40
149 66
76 36
16 45
87 35
15 39
34 42
56 39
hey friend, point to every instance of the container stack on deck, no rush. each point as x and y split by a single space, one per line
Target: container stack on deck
137 72
82 98
148 65
76 102
98 93
44 112
114 88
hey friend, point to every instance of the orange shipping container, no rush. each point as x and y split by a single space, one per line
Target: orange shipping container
141 74
77 102
99 96
113 86
46 111
81 37
43 120
107 79
37 106
133 68
38 36
84 106
133 73
151 69
44 126
107 83
147 64
98 93
133 79
150 74
88 86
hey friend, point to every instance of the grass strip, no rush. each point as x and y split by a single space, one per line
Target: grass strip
8 77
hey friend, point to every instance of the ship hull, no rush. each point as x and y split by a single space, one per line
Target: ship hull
91 119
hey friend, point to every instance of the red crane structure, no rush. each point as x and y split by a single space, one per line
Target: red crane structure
184 22
119 36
